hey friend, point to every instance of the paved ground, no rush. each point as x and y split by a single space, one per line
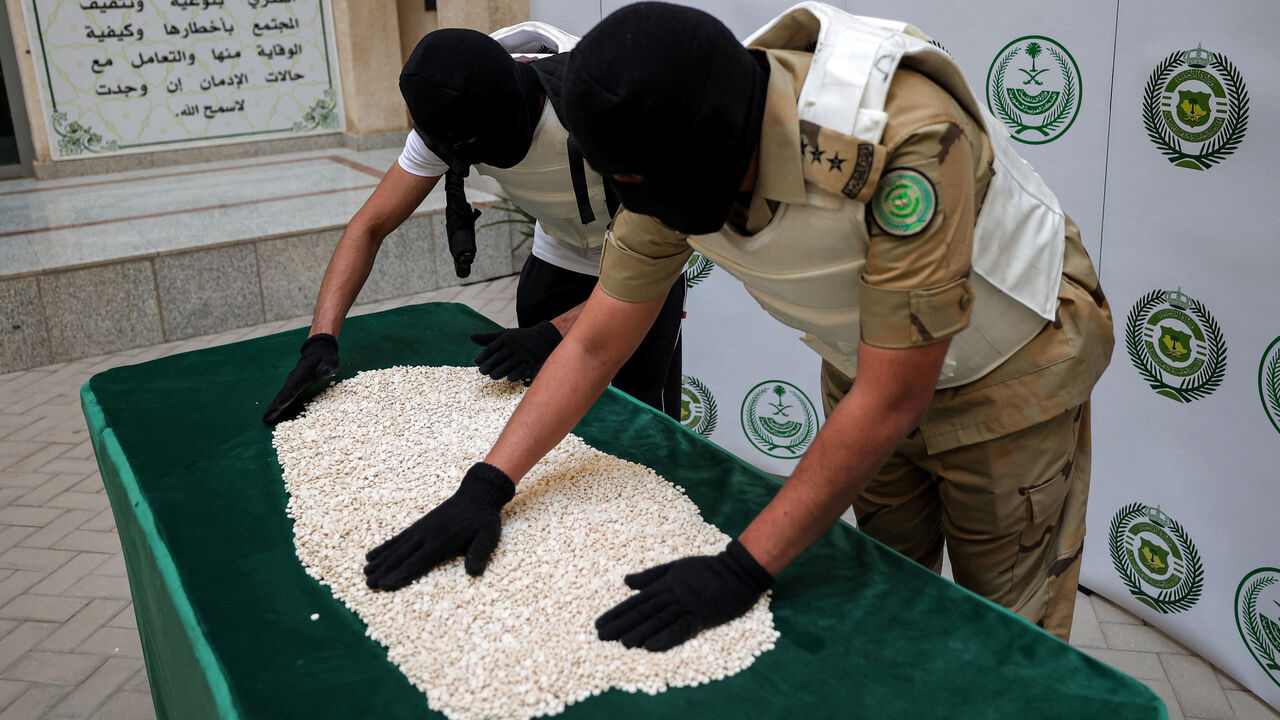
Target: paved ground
68 640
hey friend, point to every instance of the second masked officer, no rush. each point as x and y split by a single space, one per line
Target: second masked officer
841 170
492 103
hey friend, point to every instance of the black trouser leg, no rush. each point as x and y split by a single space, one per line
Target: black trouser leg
652 374
546 291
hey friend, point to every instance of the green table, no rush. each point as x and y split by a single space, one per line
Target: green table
223 604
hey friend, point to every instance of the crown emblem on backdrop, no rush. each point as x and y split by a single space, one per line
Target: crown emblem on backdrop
1178 299
1158 516
1198 57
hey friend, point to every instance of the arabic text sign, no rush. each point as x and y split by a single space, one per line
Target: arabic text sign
130 75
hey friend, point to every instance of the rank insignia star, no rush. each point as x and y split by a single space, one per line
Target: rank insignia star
836 162
816 154
804 147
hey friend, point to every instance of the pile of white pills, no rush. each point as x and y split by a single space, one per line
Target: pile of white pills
374 453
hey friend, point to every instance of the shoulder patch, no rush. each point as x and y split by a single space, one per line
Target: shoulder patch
905 202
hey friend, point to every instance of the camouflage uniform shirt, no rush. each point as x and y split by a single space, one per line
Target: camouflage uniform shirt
915 289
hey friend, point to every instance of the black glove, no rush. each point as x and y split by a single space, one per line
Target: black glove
459 224
467 523
319 361
682 598
516 353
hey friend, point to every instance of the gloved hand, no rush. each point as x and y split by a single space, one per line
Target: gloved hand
467 523
459 224
684 597
319 361
516 353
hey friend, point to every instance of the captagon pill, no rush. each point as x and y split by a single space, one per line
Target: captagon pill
372 454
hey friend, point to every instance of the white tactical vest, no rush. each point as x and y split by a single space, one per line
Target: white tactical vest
804 267
540 184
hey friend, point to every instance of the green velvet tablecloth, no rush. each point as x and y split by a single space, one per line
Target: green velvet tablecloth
224 606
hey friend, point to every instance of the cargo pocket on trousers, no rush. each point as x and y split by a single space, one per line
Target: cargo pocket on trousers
1044 509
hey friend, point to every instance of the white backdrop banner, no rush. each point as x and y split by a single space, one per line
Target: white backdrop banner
1156 124
1063 84
119 76
1186 441
1044 69
750 384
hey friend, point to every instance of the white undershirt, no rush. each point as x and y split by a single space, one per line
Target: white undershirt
416 159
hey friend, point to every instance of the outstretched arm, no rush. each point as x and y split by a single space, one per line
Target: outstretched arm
681 598
565 320
605 334
392 202
469 522
888 400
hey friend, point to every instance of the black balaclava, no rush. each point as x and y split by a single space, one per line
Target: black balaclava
461 84
666 92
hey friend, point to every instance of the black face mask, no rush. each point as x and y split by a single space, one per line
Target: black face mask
470 101
444 152
667 93
684 204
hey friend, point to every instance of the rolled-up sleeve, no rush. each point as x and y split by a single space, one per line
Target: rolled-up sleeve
915 287
641 258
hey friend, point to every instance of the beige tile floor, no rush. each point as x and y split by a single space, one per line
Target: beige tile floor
69 645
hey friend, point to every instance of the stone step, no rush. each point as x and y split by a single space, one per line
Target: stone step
100 264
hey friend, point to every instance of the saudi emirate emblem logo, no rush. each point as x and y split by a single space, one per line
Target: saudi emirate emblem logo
697 406
1195 108
779 419
1176 345
1155 558
1258 618
1036 95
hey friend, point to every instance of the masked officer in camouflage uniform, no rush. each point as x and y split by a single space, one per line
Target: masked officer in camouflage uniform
902 235
475 105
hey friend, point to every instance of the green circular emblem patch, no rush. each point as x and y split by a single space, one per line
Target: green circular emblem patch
697 269
1258 618
1195 108
1176 345
779 419
904 203
1269 383
697 406
1036 98
1155 559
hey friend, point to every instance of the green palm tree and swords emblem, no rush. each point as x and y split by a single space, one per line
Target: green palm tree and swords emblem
776 432
1034 111
781 428
1033 75
1039 102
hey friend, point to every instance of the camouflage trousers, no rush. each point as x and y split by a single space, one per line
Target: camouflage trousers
1011 511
